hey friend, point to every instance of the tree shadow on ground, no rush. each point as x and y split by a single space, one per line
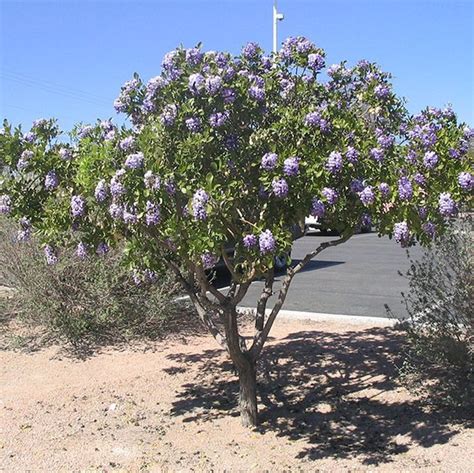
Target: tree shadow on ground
335 392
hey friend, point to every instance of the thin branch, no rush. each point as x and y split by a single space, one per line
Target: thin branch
261 336
262 301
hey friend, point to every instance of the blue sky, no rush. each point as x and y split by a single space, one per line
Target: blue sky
67 59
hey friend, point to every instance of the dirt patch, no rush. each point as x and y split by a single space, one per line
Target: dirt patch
328 401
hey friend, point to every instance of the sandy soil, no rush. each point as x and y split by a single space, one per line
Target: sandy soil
329 402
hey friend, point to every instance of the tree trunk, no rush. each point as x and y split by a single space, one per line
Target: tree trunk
248 395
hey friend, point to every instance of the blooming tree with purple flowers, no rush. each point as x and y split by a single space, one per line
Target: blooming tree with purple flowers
224 156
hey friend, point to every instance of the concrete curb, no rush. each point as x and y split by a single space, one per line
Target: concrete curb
320 317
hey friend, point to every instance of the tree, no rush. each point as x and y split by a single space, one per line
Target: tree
235 151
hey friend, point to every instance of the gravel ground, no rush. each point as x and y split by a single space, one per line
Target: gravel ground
328 402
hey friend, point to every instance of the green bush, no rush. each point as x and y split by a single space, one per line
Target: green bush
82 301
440 354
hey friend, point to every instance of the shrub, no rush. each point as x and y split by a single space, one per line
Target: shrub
439 359
82 301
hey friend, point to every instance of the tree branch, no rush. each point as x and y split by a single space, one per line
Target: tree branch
262 301
261 335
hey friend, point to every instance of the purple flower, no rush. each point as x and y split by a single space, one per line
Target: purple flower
151 181
367 196
200 199
78 206
377 154
129 216
134 161
385 141
384 189
334 162
257 93
84 131
266 242
312 119
419 179
5 204
430 229
116 187
466 181
213 84
317 208
228 95
324 126
153 85
30 137
193 56
280 188
330 195
193 124
115 211
381 91
65 154
170 187
352 154
51 181
447 206
291 166
196 83
430 159
250 241
315 62
81 250
100 192
218 119
422 212
251 51
169 114
152 213
366 220
127 143
411 157
269 161
50 253
209 260
357 186
102 248
401 233
405 189
24 159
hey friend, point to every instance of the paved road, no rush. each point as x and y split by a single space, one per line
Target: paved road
356 278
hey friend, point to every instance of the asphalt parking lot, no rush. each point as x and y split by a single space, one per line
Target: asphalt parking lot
356 278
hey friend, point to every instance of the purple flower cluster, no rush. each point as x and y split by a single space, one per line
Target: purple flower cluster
466 181
78 206
377 154
200 199
102 248
194 56
430 229
170 187
385 141
218 119
117 189
401 233
381 91
430 160
266 242
51 180
317 208
411 157
334 162
315 62
280 188
384 189
257 93
151 181
116 211
127 143
84 131
294 46
50 254
251 51
134 161
356 186
65 154
419 179
81 250
314 119
101 190
250 241
228 95
405 188
269 161
367 195
124 100
152 213
24 159
129 216
170 112
5 204
30 137
447 206
209 260
213 84
352 154
196 83
193 124
291 166
330 195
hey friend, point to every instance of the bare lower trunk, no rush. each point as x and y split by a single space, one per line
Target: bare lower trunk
248 395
